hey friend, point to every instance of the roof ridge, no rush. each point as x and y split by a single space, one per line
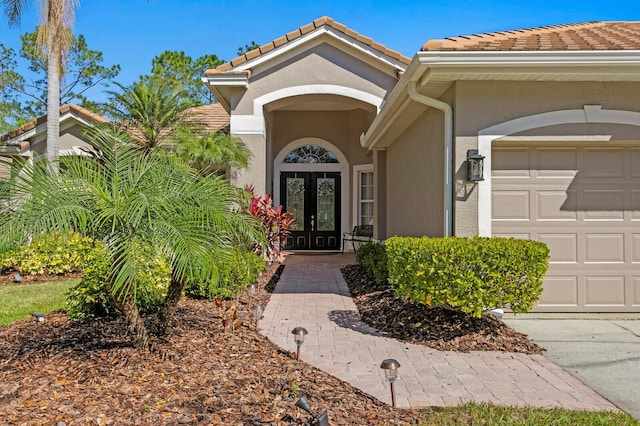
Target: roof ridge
465 40
301 31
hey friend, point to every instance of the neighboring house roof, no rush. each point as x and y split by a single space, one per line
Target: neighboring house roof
19 141
65 111
323 21
583 36
212 117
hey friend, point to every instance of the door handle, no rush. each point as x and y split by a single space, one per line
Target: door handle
313 222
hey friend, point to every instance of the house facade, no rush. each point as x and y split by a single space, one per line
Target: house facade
345 132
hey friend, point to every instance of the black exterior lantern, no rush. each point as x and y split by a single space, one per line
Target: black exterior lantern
475 166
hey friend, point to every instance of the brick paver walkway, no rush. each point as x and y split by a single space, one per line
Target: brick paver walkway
312 294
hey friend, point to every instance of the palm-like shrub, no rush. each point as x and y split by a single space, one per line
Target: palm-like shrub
130 198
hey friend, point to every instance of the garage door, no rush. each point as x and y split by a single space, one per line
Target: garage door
583 201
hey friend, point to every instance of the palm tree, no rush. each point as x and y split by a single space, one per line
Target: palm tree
54 37
126 197
211 151
149 110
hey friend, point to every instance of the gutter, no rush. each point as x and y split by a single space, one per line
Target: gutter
448 147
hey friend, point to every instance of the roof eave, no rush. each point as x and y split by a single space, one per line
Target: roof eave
555 63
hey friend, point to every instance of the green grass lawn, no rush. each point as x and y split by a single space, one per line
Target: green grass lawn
18 300
483 414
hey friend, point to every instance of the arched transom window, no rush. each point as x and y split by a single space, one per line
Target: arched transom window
310 154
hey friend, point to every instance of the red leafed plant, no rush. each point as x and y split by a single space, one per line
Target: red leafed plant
275 222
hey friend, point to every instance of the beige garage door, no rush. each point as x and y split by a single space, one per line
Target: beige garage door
583 201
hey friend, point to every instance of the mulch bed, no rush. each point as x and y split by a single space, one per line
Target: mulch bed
58 372
440 328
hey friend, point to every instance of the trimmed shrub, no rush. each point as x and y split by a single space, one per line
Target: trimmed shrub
235 271
373 258
53 254
92 298
470 274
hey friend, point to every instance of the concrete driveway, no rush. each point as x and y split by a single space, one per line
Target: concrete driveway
601 350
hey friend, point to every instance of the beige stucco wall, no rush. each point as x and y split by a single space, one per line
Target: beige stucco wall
255 175
322 64
415 169
480 105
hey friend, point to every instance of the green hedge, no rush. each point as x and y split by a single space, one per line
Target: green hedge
470 274
373 258
235 270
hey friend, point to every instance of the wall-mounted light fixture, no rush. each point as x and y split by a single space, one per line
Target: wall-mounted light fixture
475 166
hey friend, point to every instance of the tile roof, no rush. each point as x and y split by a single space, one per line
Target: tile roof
211 117
43 119
583 36
305 29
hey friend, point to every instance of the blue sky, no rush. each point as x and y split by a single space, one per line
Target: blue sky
132 32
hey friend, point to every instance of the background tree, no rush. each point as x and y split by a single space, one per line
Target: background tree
11 114
83 70
149 110
179 70
247 48
210 152
54 38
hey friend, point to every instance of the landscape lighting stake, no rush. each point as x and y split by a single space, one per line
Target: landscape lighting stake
257 313
298 335
390 367
251 291
37 316
321 419
17 278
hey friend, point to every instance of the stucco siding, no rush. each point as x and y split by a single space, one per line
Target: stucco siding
255 174
415 198
322 64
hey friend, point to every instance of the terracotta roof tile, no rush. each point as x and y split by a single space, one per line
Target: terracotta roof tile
583 36
211 117
305 29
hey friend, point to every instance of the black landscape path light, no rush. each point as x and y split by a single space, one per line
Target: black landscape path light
298 335
321 419
390 367
37 316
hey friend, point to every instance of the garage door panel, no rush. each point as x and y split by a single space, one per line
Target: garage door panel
604 248
584 203
635 163
512 162
563 248
511 205
557 205
557 162
635 250
603 163
635 205
604 291
603 204
559 291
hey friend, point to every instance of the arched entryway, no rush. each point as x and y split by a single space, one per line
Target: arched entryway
309 175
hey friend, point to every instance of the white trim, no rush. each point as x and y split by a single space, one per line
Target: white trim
255 123
42 127
232 80
529 58
486 137
341 166
355 199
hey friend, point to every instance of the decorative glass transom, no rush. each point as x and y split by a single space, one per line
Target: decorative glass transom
310 154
